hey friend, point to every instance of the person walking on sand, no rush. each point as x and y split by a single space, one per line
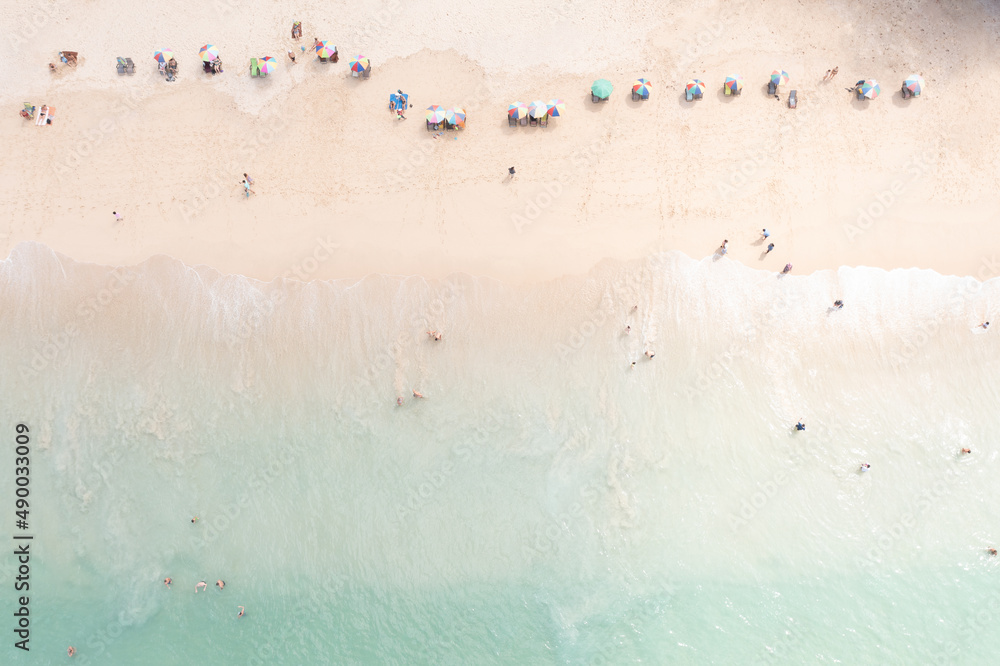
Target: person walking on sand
764 235
834 72
985 325
203 585
827 75
770 246
510 173
246 186
291 56
724 248
786 269
241 611
118 216
167 581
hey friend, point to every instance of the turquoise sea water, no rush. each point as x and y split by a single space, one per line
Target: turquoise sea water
545 503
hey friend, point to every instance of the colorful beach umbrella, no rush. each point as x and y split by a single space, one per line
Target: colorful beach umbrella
208 53
556 107
325 49
267 65
870 89
602 88
518 110
695 87
734 82
359 64
164 55
435 114
455 116
914 83
642 87
779 77
537 109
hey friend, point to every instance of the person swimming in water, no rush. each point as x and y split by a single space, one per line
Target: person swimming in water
241 611
864 467
203 585
800 426
220 584
168 581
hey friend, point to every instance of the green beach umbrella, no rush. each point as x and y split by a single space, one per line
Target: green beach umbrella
602 88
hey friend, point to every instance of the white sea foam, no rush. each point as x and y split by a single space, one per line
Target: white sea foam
607 513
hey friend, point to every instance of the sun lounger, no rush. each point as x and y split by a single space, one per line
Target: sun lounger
367 72
772 88
121 66
511 121
254 67
297 30
524 121
544 121
594 98
533 121
129 66
792 100
906 92
688 95
323 60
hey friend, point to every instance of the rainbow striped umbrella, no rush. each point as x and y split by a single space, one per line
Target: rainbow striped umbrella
435 114
455 116
267 65
163 55
208 53
914 83
556 107
779 77
537 109
695 87
359 64
870 89
642 87
734 82
517 110
325 49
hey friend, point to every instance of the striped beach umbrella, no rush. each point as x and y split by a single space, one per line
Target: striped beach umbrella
455 116
779 77
642 87
914 83
359 64
870 89
695 87
325 49
602 88
435 114
734 82
518 110
208 53
556 107
163 55
267 65
537 109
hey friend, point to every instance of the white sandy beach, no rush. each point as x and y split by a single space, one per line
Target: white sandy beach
889 182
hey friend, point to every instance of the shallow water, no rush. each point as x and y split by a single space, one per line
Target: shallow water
546 503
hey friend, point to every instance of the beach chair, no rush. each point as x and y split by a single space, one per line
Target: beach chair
533 121
29 111
254 67
772 88
367 72
511 121
544 121
792 99
906 92
688 95
129 66
430 127
297 30
594 98
121 66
